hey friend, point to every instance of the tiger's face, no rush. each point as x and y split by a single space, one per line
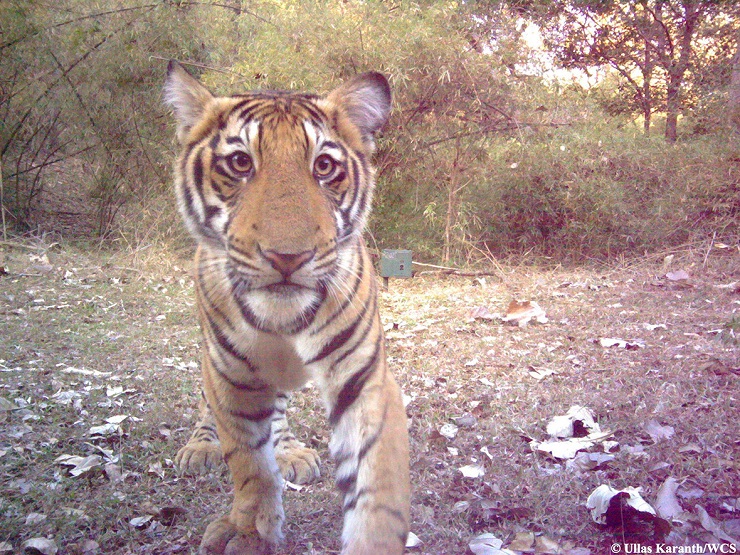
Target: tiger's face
277 186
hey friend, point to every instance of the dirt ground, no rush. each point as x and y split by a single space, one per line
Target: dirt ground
98 363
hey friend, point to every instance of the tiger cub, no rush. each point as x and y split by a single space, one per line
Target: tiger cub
276 188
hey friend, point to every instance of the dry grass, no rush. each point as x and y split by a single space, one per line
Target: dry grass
131 318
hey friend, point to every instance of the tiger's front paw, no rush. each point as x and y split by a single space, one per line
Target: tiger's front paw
199 457
222 538
298 463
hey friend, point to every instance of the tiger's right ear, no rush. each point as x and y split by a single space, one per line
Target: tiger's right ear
187 97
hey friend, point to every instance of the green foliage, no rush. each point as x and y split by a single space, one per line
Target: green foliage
81 118
591 192
84 134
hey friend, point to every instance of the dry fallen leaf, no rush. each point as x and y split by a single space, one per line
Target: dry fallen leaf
472 471
657 432
546 546
584 462
577 417
610 446
710 525
688 492
657 467
114 391
66 397
156 468
140 521
678 275
113 472
563 449
81 464
666 502
413 540
608 342
653 327
45 546
6 405
523 541
111 427
85 372
465 421
600 499
89 547
116 419
540 373
105 430
733 285
488 544
577 421
522 312
448 430
482 313
460 507
34 518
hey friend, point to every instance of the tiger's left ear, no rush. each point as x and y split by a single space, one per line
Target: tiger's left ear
187 96
366 100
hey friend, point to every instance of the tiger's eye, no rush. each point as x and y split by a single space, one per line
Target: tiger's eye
324 166
240 163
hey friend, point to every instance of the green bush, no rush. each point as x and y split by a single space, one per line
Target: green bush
593 192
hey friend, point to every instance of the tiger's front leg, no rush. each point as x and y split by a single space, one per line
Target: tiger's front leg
370 446
202 453
243 413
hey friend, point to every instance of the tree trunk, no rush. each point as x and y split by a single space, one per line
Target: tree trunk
452 191
651 40
672 106
2 201
678 68
647 114
733 100
647 99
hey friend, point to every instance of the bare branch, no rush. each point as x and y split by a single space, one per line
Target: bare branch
55 160
201 66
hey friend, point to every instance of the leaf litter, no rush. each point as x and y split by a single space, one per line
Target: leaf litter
435 339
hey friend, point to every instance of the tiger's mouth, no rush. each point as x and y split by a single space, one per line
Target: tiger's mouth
244 285
276 292
285 288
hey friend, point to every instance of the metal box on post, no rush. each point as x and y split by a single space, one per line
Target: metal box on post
395 263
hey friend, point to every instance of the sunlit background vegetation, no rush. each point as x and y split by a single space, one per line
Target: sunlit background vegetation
572 129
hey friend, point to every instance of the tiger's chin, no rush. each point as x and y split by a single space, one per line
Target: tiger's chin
283 307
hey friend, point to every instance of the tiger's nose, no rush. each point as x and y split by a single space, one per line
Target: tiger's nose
287 263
